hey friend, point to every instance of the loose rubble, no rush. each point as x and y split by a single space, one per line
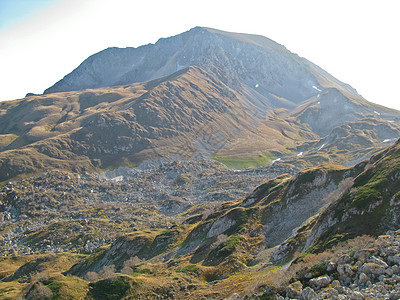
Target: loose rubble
58 211
365 274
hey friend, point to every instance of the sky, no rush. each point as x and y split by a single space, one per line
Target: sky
356 41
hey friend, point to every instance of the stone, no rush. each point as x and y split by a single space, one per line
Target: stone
389 271
394 259
396 269
320 282
308 294
363 278
294 290
378 261
364 254
337 286
345 271
332 293
308 275
357 296
331 266
344 259
372 268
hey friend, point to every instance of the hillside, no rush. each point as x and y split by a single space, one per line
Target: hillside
187 114
232 245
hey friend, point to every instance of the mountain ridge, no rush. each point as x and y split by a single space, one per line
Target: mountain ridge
241 99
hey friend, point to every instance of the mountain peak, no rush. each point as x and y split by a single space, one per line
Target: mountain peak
268 69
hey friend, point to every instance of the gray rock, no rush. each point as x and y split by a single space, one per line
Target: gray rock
331 266
344 259
344 271
364 254
389 271
396 269
363 278
357 296
394 259
308 275
308 294
378 261
294 290
337 286
320 282
372 268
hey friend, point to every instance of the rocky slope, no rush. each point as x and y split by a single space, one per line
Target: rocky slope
295 236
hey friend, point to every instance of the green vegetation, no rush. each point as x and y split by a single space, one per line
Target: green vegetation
188 269
244 162
230 244
366 195
110 289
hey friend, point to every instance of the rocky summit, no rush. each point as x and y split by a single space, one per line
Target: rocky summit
209 165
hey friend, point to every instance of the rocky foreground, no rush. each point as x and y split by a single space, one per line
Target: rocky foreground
371 273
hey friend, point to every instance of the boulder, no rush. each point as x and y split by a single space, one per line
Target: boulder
331 266
320 282
294 290
372 268
378 261
394 259
364 254
363 278
308 294
357 296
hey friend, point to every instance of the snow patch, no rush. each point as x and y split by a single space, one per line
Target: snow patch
323 145
389 140
377 113
118 178
391 121
300 153
276 160
317 89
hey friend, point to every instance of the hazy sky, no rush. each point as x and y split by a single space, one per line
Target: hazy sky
357 41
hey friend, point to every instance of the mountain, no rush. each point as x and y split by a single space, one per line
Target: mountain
268 74
241 99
